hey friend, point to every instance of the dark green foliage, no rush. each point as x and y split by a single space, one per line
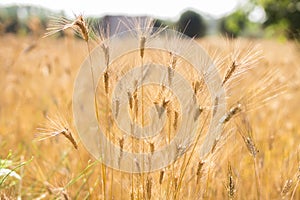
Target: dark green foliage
282 14
160 23
234 24
191 24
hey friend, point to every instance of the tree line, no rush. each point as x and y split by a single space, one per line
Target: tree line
278 18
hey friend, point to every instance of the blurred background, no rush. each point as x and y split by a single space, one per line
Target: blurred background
37 82
234 18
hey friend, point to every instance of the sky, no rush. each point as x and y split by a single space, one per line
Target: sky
165 9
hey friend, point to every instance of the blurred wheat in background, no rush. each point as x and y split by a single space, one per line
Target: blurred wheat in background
42 157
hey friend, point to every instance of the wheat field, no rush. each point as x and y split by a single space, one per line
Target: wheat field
256 157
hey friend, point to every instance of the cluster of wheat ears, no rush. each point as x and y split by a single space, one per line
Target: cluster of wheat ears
248 90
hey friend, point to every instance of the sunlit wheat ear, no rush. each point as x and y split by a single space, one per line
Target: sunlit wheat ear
250 145
286 187
79 25
130 100
144 30
121 145
242 59
106 81
232 112
102 38
199 170
245 130
149 187
152 147
229 72
55 127
117 104
161 176
172 66
198 86
230 185
175 122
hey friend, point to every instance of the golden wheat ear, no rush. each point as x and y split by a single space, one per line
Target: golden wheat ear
230 185
79 25
55 127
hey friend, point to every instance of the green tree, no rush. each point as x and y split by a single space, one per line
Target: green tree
234 24
282 15
191 24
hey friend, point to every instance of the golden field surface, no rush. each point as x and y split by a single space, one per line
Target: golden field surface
257 157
